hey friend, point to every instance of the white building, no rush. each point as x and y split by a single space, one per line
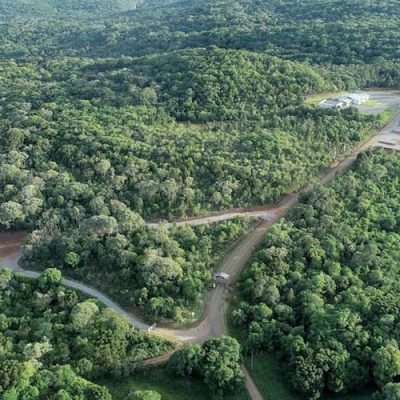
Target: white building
358 98
345 100
332 103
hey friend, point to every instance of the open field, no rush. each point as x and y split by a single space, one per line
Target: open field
170 387
387 115
371 103
316 98
382 102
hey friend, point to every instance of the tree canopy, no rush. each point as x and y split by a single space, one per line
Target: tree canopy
54 342
322 287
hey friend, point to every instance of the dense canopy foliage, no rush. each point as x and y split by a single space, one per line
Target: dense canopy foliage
116 112
89 147
23 9
161 271
323 287
53 342
216 361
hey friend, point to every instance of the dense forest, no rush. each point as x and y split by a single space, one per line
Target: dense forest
161 271
216 361
323 287
113 113
54 342
64 9
90 147
319 31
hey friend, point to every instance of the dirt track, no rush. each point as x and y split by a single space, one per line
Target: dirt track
213 321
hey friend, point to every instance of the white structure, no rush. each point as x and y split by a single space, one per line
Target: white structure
221 276
345 100
358 98
332 103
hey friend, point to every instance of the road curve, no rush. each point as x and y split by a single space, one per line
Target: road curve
213 321
10 254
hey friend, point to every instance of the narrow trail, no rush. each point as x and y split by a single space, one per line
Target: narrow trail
213 320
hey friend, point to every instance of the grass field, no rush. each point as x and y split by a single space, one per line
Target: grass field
371 103
318 97
387 115
269 376
170 387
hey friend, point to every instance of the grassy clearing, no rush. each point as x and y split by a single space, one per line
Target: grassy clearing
170 387
269 376
371 103
387 115
318 97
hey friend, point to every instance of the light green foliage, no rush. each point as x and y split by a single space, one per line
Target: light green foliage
63 8
387 363
178 108
161 270
83 314
145 395
391 391
155 113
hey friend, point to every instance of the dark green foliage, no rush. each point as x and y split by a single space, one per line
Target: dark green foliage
210 85
90 148
163 271
323 287
179 108
52 340
104 127
63 8
391 391
318 31
217 361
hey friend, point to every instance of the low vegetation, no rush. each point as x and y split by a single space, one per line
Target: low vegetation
169 385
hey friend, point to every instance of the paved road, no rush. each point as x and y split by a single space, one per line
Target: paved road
384 99
213 321
10 254
263 212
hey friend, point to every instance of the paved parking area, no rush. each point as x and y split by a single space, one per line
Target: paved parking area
380 101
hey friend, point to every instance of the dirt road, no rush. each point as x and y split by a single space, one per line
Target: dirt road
213 321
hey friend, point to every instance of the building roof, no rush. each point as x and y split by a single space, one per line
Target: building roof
331 102
358 96
345 98
221 275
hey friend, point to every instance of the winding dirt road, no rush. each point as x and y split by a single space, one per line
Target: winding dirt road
213 320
